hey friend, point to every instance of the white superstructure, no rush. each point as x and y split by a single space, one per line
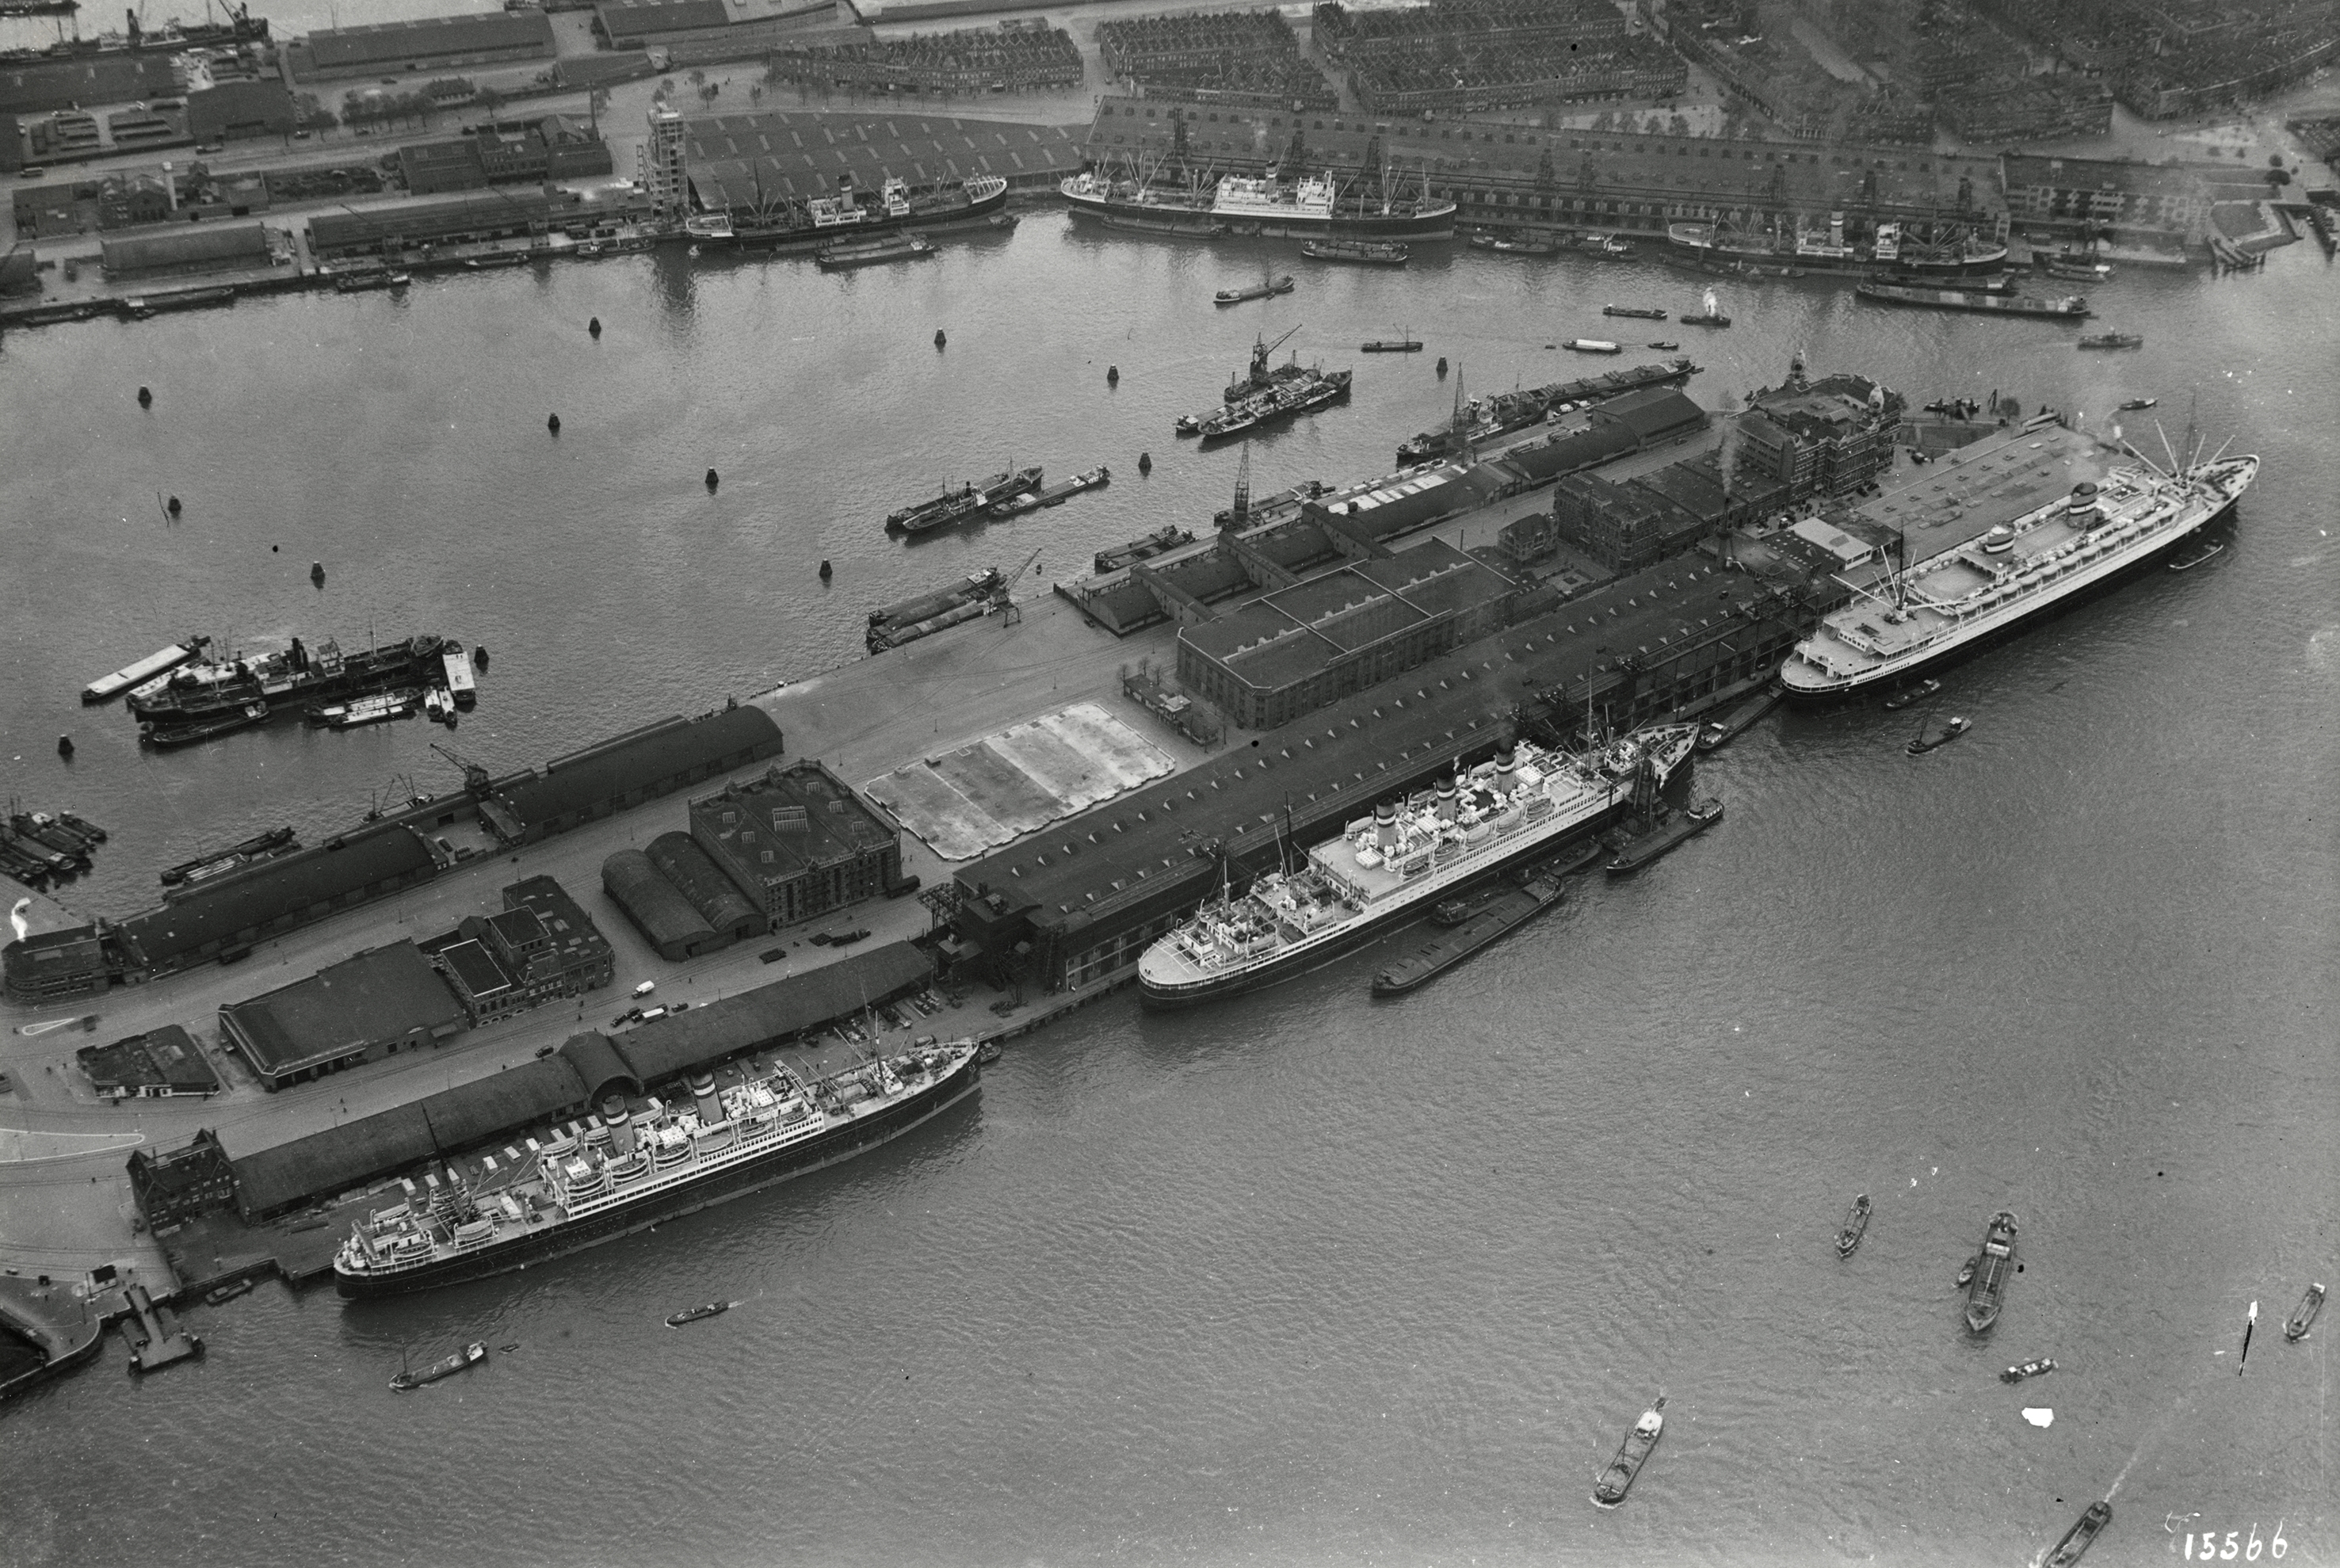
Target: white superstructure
1944 604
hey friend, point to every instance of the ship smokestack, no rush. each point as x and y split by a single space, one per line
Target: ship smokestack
620 1126
1506 778
710 1108
1447 800
2081 512
1385 825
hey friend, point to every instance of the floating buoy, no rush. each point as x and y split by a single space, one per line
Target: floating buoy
594 326
1145 462
65 744
172 506
1113 375
275 548
823 571
317 573
1442 367
552 423
939 339
145 398
713 479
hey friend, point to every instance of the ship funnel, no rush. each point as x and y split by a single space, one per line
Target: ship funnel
1447 800
710 1108
1506 778
2082 509
620 1126
1385 825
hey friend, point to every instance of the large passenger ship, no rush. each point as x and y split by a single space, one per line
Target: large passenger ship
1945 605
626 1169
1399 860
1310 207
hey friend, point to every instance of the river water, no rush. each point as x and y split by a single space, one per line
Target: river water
1302 1279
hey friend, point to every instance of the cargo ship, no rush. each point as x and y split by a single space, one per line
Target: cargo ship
1945 607
1311 390
1993 1268
1951 252
1241 204
225 691
925 614
972 502
2070 307
1485 419
1400 860
625 1170
852 213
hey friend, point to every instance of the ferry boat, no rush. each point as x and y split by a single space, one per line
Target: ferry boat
1943 607
1264 205
624 1170
1403 859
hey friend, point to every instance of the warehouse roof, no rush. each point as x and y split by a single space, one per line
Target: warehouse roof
489 1106
754 1019
327 1162
598 1067
680 860
655 904
473 213
1570 453
167 1058
183 246
395 43
1651 413
237 906
747 160
657 755
624 21
380 994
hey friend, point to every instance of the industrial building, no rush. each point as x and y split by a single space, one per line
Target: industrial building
518 151
34 87
156 1065
1300 648
628 769
199 248
429 44
453 220
363 1009
230 111
1827 437
747 164
670 923
540 944
799 842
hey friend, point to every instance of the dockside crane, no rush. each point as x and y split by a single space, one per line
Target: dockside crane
475 777
1004 602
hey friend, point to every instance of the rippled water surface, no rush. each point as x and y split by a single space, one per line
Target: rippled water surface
1304 1278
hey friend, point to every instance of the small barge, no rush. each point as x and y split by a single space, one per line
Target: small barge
160 662
1259 291
1357 252
379 709
1390 346
2303 1316
1855 1227
1923 743
1741 717
275 841
2067 307
1665 837
1169 536
1617 1479
447 1366
1055 494
1993 1269
845 254
1638 312
1506 913
2080 1536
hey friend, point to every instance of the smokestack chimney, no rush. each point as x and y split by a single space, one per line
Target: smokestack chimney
1446 799
1385 825
620 1126
711 1106
1506 780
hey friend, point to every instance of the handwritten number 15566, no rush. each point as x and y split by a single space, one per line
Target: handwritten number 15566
2210 1549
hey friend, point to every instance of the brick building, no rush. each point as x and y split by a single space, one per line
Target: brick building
1819 438
540 944
799 842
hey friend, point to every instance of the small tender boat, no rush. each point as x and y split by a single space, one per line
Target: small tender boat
1994 1268
2031 1368
1923 743
448 1366
219 1295
697 1313
1909 694
165 736
1639 852
1665 345
1617 1479
2302 1317
1855 1227
1258 290
1967 1273
2078 1538
2208 550
2140 402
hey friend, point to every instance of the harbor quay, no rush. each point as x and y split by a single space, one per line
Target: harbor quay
1086 862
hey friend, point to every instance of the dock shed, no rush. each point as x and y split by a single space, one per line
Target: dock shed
452 220
156 1065
199 248
744 162
365 1008
269 1181
768 1015
681 861
426 44
672 926
271 898
628 769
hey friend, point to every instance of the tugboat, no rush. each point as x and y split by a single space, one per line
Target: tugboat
1910 694
1664 346
1707 315
1855 1227
697 1313
2031 1368
1922 744
2078 1538
2112 340
1617 1479
447 1366
2302 1317
1992 1271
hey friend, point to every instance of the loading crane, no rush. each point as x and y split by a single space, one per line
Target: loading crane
1004 602
475 777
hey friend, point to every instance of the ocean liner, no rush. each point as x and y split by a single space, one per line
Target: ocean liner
282 682
1399 860
624 1170
1311 207
1943 607
852 213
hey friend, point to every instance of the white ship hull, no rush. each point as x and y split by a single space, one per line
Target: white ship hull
1844 657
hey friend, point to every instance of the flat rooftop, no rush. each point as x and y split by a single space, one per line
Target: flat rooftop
1973 489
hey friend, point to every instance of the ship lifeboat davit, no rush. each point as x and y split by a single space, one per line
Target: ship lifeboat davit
1999 541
